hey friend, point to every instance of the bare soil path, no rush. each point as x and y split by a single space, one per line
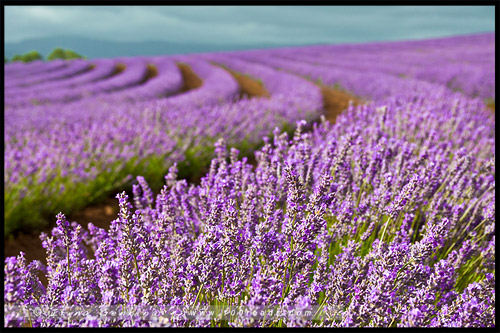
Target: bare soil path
336 101
151 72
189 77
249 87
99 214
491 106
117 70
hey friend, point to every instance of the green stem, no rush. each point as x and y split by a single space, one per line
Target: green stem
67 256
136 267
383 233
360 192
468 224
199 292
29 317
286 267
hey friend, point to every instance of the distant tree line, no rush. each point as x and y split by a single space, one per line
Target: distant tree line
57 53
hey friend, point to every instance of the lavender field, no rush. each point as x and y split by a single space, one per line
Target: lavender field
267 208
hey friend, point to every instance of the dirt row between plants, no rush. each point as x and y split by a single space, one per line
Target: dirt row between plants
249 87
117 70
336 101
151 72
189 78
100 215
491 106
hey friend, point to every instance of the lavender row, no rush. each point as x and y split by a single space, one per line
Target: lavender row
370 85
475 80
60 90
74 67
277 83
135 71
167 82
102 68
218 86
18 73
465 64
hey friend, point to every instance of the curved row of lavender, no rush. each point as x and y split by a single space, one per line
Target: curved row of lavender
73 68
21 73
59 90
464 63
101 69
18 68
167 81
218 86
72 157
135 73
277 83
101 80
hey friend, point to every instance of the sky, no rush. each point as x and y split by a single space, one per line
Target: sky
280 25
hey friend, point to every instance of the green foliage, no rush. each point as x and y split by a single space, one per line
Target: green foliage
28 56
6 60
17 57
31 56
37 210
337 86
59 53
70 54
490 102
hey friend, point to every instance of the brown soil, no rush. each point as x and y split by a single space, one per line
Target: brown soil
190 79
151 72
117 70
100 215
335 101
491 106
249 87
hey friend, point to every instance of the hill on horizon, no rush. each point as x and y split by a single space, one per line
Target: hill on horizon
92 48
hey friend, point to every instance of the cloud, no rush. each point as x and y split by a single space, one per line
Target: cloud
246 24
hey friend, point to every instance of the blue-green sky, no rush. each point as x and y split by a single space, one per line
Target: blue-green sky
290 25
